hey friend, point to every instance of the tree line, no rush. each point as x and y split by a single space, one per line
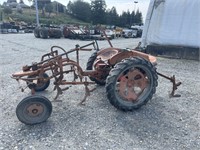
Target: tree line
96 13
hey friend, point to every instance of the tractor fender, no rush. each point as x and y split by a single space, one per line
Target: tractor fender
133 53
102 51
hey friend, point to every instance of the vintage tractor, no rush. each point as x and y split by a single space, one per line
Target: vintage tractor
130 78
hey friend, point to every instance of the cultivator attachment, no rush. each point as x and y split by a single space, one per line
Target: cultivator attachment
174 84
130 78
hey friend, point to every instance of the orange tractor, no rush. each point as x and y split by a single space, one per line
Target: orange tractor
130 78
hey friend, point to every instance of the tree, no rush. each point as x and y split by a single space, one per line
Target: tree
69 7
112 18
42 4
132 18
19 9
7 10
122 19
60 8
98 11
138 17
21 2
127 19
29 1
80 10
30 5
49 8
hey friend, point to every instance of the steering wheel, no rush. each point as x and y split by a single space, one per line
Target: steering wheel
96 46
53 47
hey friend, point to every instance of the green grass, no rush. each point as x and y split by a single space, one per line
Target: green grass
29 16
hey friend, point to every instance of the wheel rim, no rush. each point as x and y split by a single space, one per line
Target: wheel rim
40 84
132 84
34 109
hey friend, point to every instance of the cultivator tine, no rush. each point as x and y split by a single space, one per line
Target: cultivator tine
20 87
174 84
59 92
175 87
87 92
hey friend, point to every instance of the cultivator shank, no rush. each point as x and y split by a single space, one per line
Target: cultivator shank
174 84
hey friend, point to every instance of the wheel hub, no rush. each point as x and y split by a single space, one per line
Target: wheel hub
35 109
132 84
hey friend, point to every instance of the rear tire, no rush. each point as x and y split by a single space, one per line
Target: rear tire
131 83
58 34
36 32
43 33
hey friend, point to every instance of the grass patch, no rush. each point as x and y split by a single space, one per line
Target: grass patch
29 16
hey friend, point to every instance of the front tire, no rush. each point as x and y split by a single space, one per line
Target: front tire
41 85
89 66
33 110
131 83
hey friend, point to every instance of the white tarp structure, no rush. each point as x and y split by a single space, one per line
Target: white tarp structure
172 22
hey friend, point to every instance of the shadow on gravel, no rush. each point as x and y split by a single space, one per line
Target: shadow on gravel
154 123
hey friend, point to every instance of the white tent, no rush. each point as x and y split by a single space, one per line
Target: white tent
172 22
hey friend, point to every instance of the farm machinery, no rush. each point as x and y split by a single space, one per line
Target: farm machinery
129 76
45 32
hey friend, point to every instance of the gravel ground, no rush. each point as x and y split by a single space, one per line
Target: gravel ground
164 123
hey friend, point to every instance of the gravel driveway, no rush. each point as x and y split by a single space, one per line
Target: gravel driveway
164 123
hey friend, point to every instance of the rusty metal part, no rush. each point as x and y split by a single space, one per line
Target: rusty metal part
107 38
175 85
55 63
87 92
132 85
132 53
35 109
107 53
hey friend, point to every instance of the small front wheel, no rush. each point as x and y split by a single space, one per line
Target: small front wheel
41 84
89 66
33 110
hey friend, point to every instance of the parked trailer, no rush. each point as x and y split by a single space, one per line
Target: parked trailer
47 32
9 28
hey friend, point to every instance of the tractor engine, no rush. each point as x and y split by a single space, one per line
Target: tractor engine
102 69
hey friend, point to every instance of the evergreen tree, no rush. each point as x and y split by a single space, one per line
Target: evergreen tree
138 17
21 2
49 8
42 4
98 11
112 17
123 19
7 10
69 7
80 10
132 18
